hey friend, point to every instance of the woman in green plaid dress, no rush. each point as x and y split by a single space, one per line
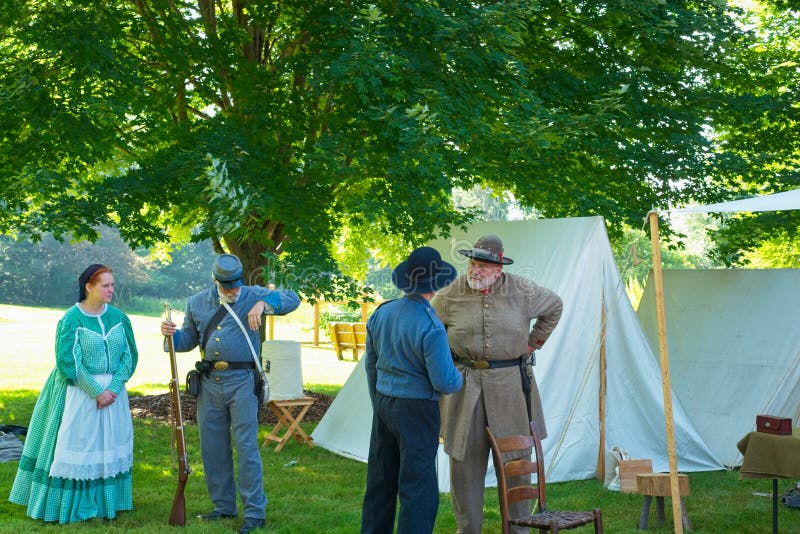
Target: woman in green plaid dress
78 453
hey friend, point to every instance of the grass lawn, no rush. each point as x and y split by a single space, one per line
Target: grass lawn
311 490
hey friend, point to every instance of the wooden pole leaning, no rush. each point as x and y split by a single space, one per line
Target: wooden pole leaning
665 376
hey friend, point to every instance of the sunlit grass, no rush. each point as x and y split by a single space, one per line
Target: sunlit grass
28 336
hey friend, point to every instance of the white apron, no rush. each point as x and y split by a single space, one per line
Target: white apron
93 443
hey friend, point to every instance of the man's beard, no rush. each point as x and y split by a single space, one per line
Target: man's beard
481 284
230 299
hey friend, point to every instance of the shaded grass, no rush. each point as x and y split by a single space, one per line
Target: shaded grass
313 490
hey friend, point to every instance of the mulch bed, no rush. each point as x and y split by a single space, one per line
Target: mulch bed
159 407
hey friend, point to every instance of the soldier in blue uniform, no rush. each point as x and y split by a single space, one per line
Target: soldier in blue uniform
227 405
408 365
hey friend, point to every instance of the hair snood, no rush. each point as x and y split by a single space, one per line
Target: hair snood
87 276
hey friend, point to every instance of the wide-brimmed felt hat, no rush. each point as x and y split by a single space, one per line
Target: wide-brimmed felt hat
227 271
423 272
488 248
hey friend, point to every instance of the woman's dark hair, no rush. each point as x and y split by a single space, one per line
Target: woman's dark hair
89 276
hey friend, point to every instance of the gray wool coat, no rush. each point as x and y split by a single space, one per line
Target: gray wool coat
493 326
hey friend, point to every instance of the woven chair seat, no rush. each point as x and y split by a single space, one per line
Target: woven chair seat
561 519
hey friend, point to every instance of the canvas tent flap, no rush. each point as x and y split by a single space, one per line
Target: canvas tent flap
346 426
573 257
786 200
734 348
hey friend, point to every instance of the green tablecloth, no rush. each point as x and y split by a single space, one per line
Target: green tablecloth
770 456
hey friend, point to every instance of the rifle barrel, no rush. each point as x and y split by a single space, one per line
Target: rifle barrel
177 516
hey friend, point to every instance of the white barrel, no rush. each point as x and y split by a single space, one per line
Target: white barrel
285 369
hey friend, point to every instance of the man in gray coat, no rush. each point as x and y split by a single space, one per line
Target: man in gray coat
227 404
488 314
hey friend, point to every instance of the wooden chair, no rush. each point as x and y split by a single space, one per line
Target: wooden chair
360 334
545 520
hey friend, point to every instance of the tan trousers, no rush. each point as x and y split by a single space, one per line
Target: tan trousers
468 478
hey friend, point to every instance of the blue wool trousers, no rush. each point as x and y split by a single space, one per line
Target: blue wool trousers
402 464
227 407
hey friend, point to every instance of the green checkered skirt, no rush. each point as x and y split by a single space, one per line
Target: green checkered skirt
65 500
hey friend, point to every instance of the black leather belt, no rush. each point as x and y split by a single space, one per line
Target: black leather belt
487 364
221 365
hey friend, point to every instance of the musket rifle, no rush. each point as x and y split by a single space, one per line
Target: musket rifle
177 516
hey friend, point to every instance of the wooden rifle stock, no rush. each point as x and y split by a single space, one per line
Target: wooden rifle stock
177 516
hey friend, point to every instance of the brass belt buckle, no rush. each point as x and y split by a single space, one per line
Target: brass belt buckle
480 364
220 365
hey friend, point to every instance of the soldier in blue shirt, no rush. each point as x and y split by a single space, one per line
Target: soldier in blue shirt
408 365
227 404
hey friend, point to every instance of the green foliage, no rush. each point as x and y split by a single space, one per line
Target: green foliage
759 120
332 313
758 240
280 130
759 132
689 247
381 281
624 84
46 273
778 252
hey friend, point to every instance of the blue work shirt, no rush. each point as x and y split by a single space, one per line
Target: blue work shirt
407 352
226 341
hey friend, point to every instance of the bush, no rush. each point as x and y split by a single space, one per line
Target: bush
338 314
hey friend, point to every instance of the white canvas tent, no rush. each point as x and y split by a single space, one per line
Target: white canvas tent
734 348
787 200
573 257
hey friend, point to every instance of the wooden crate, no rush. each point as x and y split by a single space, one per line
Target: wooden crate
628 469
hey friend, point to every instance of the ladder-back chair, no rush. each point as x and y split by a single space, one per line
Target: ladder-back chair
544 519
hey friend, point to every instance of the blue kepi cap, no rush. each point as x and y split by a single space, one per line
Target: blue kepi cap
227 271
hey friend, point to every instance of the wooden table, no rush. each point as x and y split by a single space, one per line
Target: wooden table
770 456
290 414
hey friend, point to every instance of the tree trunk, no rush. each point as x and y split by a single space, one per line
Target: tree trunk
251 248
252 255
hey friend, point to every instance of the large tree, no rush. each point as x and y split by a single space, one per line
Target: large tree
759 133
282 129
